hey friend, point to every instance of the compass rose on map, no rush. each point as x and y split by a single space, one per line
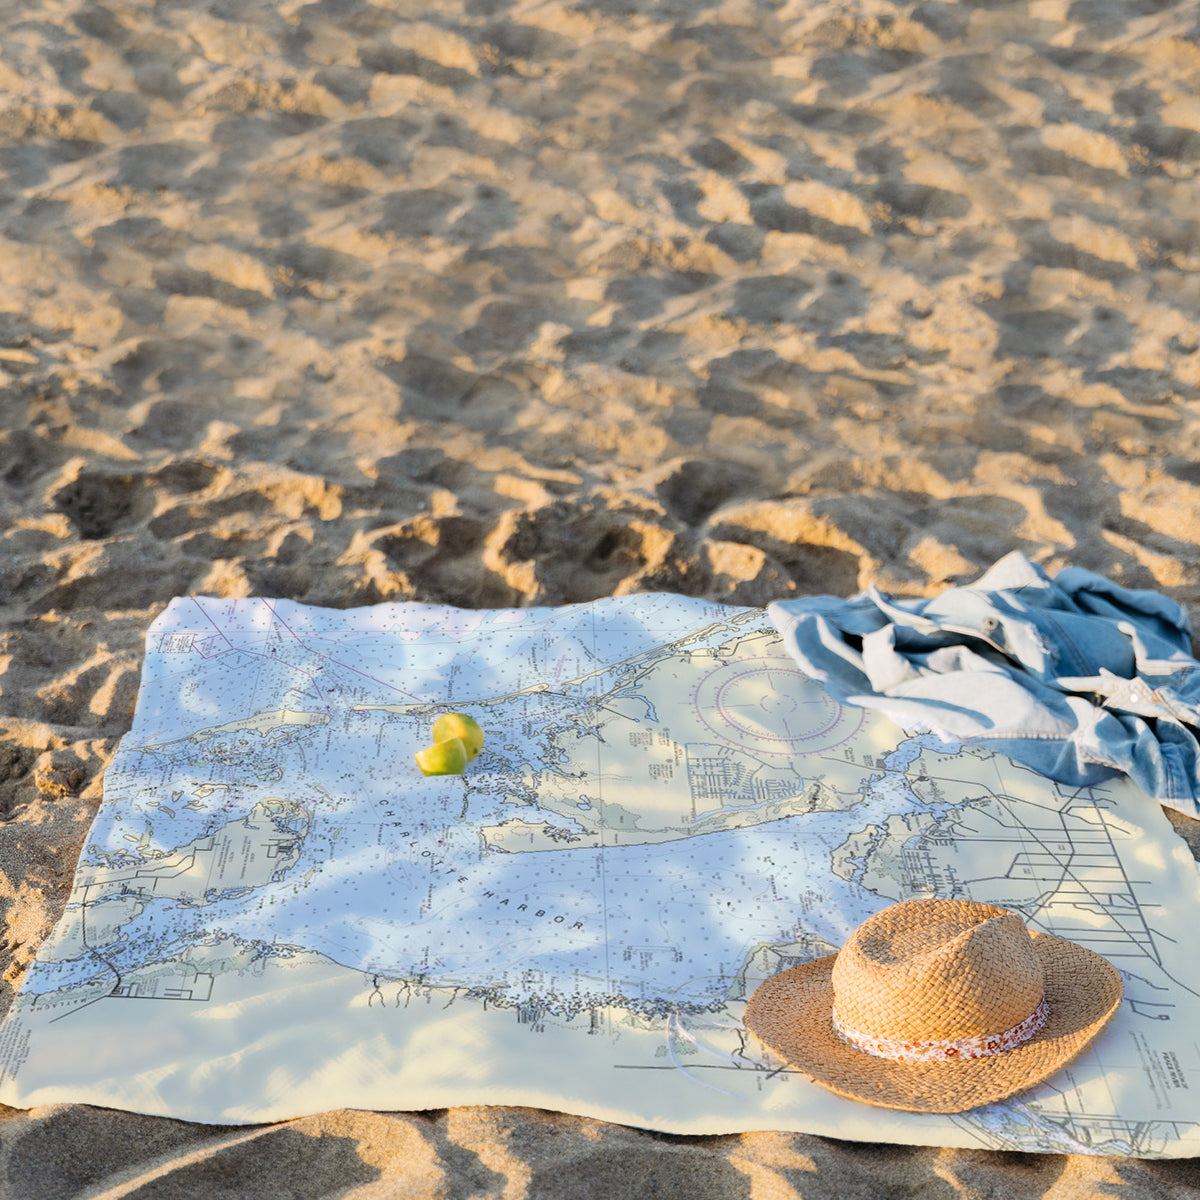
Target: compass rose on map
769 706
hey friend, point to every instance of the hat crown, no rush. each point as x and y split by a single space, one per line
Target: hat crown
937 969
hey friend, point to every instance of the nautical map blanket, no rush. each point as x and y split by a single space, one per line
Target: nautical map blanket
276 914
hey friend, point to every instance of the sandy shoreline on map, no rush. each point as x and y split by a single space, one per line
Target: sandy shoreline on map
346 305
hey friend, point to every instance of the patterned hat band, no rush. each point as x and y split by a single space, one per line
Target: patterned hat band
943 1049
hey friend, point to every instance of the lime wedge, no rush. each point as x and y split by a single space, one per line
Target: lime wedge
447 757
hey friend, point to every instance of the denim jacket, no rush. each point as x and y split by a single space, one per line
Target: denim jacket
1075 676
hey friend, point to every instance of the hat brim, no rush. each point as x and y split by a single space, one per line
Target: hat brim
790 1014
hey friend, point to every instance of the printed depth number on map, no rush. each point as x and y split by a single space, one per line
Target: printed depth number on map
275 913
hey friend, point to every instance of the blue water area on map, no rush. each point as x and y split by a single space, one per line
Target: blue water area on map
909 750
420 896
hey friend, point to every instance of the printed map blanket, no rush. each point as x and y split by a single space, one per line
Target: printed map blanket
275 913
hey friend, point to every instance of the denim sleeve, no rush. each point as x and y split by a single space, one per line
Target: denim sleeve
1075 677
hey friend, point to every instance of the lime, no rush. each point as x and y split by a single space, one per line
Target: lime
447 757
459 725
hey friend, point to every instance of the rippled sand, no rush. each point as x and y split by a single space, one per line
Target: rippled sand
508 303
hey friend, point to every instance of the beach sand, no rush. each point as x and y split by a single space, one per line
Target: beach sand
504 303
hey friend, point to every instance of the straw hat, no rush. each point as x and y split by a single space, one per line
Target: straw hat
942 1005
